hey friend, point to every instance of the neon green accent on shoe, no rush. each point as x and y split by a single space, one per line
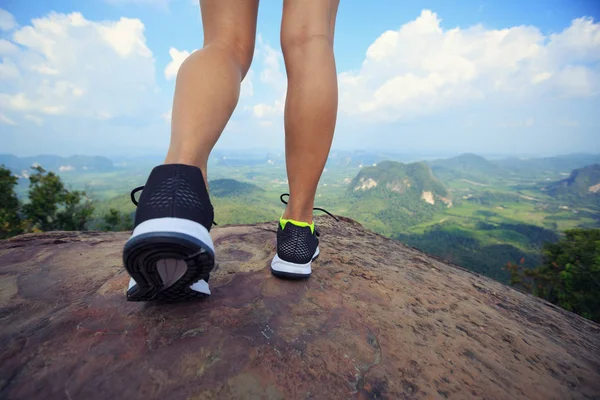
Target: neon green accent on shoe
283 222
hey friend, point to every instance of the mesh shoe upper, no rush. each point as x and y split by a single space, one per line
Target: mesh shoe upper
177 191
296 244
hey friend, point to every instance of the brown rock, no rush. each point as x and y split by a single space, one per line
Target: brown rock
376 320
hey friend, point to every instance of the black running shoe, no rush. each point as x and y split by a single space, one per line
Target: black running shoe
297 247
170 254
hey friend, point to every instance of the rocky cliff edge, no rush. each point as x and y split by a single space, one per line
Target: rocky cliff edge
376 320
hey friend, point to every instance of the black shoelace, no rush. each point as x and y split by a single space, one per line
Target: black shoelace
134 201
315 208
133 192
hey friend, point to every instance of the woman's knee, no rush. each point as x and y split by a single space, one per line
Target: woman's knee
298 36
238 48
307 22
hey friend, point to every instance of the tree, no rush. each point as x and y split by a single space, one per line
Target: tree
76 213
52 207
520 276
116 221
10 220
570 273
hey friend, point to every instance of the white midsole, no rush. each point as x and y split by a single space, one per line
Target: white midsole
200 286
179 225
280 265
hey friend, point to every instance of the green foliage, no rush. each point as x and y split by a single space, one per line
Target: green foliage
486 213
122 203
52 207
10 221
462 246
237 202
535 236
399 178
244 211
117 221
75 212
489 197
570 273
520 276
231 187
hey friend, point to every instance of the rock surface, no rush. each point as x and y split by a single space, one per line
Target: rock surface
376 320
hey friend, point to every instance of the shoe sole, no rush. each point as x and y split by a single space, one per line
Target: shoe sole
287 270
165 263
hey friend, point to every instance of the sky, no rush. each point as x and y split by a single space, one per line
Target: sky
491 77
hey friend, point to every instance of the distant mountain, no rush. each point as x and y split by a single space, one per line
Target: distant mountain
241 162
143 161
392 196
414 179
360 158
547 165
476 168
583 183
22 165
466 166
466 161
232 188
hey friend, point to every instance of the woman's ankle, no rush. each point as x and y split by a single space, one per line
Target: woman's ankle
172 158
300 215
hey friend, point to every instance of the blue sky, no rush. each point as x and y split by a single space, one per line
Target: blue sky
514 77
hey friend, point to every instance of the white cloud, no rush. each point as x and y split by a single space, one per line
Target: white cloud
247 89
422 68
262 110
7 21
7 48
66 168
35 119
5 120
67 65
527 123
162 4
541 77
265 124
8 70
125 36
177 58
272 60
273 79
577 43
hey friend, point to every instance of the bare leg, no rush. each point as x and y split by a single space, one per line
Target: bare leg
312 97
208 83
